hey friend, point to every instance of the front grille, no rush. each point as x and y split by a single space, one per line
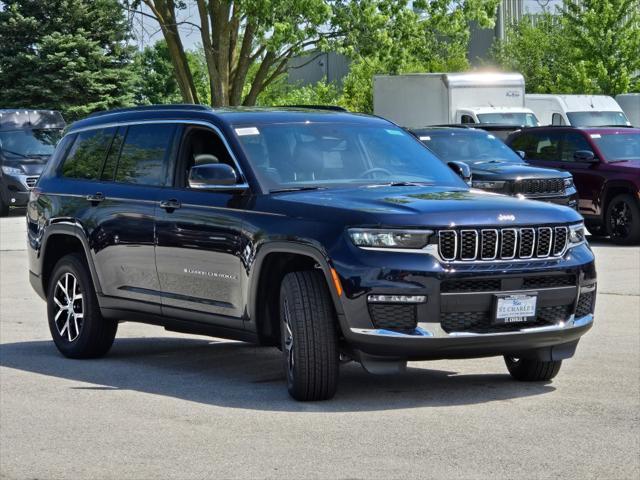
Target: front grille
393 316
475 285
480 322
31 181
502 244
540 186
585 304
531 283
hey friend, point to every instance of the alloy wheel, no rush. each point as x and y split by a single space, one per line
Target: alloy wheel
288 338
69 313
620 220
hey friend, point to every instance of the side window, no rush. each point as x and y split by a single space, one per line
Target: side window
572 143
467 119
87 154
144 155
200 146
556 119
547 147
527 143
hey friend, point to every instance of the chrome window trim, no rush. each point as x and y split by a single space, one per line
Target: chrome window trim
475 250
495 252
533 242
202 123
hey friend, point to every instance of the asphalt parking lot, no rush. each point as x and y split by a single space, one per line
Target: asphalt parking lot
165 405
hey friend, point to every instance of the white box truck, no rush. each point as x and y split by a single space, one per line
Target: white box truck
630 104
421 99
576 110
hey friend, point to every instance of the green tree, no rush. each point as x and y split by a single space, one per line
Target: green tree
604 40
591 46
247 43
68 55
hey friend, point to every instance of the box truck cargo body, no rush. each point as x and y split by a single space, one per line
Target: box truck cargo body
576 110
630 104
422 99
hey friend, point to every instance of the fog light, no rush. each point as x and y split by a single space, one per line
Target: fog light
397 298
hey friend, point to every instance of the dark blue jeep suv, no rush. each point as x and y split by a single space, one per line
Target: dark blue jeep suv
330 235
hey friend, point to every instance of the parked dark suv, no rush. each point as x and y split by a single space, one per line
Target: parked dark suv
497 168
323 233
605 164
27 140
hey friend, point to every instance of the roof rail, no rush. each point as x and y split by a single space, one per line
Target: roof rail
333 108
147 108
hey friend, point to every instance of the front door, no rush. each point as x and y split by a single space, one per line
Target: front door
200 238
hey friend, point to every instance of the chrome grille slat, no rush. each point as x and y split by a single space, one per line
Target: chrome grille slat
470 244
31 181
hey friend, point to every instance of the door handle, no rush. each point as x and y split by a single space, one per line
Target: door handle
170 205
96 197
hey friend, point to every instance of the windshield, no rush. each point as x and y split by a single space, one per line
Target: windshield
17 144
618 147
597 119
522 118
474 148
307 155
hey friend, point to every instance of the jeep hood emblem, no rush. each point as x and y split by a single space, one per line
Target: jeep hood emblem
503 217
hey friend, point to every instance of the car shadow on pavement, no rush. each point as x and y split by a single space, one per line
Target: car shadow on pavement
240 375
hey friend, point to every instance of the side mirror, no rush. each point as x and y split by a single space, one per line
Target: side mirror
585 156
212 175
462 169
521 153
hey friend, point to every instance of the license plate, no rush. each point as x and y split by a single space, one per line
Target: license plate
515 309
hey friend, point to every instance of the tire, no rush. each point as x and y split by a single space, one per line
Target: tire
308 335
622 220
527 370
86 334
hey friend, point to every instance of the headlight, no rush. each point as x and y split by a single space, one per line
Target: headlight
568 182
487 185
11 170
379 238
576 234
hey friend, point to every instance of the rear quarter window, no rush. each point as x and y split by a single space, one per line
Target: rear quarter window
86 155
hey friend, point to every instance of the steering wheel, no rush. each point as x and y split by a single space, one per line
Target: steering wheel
373 170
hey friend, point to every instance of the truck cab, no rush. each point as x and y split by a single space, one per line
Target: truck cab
577 110
521 117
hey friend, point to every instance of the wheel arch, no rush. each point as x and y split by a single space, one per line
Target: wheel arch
614 188
273 262
63 238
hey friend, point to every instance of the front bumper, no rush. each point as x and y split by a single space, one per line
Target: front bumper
15 189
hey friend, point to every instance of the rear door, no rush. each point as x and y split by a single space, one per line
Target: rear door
201 244
124 234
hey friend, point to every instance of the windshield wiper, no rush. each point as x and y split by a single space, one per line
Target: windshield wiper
400 184
17 154
295 189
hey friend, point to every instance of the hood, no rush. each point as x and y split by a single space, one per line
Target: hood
29 166
627 166
420 207
513 171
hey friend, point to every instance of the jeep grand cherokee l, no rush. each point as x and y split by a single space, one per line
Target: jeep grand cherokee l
605 164
319 232
496 168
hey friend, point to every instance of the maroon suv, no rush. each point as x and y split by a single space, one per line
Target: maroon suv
605 164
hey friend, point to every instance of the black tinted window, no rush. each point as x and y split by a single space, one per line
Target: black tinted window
144 154
572 143
539 145
87 154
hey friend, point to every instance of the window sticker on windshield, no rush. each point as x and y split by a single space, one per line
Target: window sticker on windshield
393 132
595 135
424 138
244 131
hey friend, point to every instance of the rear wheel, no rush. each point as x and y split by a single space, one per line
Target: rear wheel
76 324
623 219
309 337
528 370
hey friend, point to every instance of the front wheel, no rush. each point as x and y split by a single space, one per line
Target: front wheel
623 220
76 324
528 370
309 337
